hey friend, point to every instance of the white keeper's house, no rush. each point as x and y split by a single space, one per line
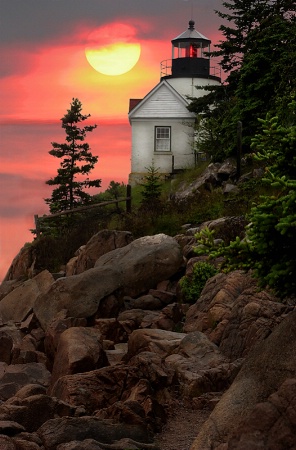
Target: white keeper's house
161 131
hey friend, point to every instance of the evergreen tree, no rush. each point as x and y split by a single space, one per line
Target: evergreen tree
269 246
76 161
267 77
271 235
259 56
151 190
248 18
116 190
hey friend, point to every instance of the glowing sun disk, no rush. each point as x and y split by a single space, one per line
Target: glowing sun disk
114 59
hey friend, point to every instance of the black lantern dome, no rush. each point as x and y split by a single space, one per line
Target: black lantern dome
190 54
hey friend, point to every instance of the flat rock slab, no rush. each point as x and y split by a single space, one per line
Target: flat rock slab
58 431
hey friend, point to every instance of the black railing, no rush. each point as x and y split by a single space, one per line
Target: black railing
167 64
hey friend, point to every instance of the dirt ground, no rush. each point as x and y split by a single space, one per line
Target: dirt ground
181 429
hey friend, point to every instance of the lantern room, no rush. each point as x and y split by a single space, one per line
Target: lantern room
190 55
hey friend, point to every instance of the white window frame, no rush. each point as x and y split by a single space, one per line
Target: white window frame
162 139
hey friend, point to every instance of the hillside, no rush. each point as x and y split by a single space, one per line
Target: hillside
114 351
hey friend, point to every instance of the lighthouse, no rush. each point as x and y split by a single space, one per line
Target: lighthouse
162 126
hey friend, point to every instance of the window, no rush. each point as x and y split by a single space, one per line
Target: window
162 139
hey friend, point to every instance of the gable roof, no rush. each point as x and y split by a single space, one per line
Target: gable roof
133 102
162 102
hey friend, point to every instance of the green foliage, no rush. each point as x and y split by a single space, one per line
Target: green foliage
205 239
259 55
265 75
215 127
169 223
60 239
269 246
116 190
151 192
192 285
184 178
76 161
204 206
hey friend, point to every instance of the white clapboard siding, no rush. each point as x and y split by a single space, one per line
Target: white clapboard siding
163 101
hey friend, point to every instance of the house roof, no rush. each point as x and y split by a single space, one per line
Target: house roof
163 101
133 102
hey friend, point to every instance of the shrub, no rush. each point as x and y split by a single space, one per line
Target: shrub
268 248
192 285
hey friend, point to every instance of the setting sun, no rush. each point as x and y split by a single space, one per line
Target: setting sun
114 59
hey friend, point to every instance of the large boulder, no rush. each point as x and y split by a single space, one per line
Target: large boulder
160 342
97 389
80 295
57 431
200 366
14 377
144 263
32 411
99 244
8 286
18 304
130 270
234 314
208 178
271 424
54 331
266 367
22 265
79 350
10 338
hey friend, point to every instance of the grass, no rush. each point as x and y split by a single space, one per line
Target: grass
165 217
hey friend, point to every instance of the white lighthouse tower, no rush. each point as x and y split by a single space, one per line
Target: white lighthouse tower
162 126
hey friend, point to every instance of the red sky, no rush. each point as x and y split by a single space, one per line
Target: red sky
43 66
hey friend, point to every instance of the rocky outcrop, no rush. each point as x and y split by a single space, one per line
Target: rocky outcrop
17 305
97 359
160 342
200 366
15 376
57 431
26 264
144 263
79 350
214 175
270 424
234 314
79 295
268 366
23 264
130 270
101 243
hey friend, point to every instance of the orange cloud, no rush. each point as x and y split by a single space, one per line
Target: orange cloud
62 72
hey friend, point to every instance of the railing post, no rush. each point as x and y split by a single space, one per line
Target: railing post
129 198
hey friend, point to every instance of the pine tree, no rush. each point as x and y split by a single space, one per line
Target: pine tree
247 17
259 55
269 246
151 190
76 161
116 190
